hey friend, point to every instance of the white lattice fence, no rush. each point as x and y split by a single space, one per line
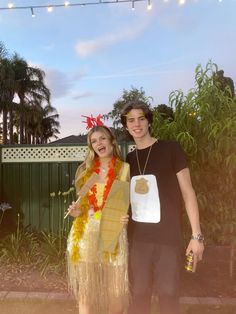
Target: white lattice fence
43 154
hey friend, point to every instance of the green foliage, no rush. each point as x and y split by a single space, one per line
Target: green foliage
165 111
127 96
205 125
59 204
45 250
52 251
226 84
53 244
133 94
20 247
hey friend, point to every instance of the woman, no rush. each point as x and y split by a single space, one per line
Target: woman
99 281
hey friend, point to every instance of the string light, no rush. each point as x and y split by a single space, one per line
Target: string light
181 2
89 2
133 8
50 7
32 12
149 6
10 5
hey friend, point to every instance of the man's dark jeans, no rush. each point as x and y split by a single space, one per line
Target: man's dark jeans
154 268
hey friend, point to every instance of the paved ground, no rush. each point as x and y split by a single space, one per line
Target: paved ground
66 296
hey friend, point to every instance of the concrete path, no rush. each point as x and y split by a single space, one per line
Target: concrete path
66 296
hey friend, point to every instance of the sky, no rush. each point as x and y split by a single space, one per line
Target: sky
91 53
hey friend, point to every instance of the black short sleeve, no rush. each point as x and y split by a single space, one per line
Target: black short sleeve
179 157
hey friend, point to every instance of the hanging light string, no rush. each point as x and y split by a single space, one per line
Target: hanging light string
67 4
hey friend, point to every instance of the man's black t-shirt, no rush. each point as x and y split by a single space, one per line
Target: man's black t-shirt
165 161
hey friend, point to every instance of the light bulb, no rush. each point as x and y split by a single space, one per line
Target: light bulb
10 5
50 9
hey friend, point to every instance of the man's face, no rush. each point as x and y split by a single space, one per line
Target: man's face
137 124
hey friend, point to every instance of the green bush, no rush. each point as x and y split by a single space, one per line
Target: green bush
205 125
20 247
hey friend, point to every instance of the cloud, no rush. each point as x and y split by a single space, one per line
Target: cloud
61 83
92 46
48 47
168 16
77 76
131 74
177 20
72 120
141 71
58 82
82 95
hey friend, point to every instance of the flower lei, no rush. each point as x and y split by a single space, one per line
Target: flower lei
110 178
87 201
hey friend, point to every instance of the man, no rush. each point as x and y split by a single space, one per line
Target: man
160 180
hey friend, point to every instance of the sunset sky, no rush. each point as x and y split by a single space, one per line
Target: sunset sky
91 53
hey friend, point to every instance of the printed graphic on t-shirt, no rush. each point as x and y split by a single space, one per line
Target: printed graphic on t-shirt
144 197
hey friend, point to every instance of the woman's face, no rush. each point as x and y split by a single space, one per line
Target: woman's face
101 144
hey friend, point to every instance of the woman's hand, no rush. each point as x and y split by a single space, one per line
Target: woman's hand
124 219
73 211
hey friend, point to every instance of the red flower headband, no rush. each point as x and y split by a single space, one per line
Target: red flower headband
91 121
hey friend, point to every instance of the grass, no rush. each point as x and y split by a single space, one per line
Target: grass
33 306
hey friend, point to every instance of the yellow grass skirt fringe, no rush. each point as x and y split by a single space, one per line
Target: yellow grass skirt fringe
93 281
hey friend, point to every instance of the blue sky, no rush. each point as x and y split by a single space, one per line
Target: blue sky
91 53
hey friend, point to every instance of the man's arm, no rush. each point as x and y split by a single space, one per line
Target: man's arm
190 201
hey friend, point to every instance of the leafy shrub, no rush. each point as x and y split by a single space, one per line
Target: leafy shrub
21 246
205 125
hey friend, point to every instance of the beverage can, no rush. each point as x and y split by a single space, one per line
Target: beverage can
189 262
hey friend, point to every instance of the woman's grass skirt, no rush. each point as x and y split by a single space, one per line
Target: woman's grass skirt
101 283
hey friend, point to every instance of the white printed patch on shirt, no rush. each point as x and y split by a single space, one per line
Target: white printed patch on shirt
145 205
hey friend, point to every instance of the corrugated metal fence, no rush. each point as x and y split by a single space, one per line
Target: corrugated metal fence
35 181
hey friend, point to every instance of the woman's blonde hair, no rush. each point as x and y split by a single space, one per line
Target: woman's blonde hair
91 155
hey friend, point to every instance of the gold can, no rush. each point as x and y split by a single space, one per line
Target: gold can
189 262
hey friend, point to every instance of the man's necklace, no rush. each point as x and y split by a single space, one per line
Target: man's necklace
145 165
141 186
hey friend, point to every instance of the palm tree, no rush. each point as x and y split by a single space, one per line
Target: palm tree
30 88
3 50
50 124
31 116
7 77
39 124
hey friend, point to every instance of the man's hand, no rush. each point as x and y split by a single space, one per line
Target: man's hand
197 248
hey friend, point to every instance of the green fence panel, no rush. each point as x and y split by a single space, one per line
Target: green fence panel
34 180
